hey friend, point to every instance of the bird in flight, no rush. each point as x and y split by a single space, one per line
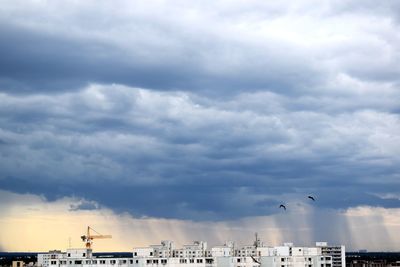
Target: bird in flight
282 206
312 198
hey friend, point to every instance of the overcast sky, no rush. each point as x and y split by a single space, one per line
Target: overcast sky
210 112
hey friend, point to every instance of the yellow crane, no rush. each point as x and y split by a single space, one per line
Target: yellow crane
88 238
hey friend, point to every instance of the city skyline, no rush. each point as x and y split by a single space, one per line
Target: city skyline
178 120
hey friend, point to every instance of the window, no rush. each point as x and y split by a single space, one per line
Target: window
94 262
112 261
199 260
131 261
151 253
238 260
78 262
155 261
123 261
148 261
191 261
84 255
135 254
69 254
282 259
87 262
102 262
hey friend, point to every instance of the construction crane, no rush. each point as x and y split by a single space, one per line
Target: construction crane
88 238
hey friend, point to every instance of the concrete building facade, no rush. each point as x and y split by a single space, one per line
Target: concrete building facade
338 253
195 255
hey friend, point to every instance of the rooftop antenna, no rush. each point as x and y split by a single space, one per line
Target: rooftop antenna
256 244
256 241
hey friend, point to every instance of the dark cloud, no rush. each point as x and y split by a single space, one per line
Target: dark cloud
2 142
84 205
239 113
163 54
164 155
341 198
37 61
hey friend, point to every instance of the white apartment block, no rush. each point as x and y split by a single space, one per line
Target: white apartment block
45 259
196 255
338 253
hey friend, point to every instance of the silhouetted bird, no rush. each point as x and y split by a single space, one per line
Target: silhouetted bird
312 198
282 206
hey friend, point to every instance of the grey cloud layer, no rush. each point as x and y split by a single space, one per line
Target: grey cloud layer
244 106
216 48
199 159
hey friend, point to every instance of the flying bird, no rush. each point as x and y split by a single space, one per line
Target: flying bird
282 206
312 198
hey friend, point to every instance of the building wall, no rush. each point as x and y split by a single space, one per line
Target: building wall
338 253
44 259
266 261
196 255
17 264
367 263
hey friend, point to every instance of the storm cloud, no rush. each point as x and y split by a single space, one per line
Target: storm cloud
213 47
197 160
214 111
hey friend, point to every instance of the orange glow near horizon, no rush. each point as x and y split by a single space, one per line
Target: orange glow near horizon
31 224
